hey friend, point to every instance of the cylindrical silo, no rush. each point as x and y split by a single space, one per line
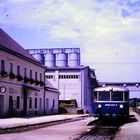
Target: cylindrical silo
39 57
50 60
73 59
61 59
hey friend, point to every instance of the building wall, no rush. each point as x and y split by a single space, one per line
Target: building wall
86 90
72 84
51 102
15 88
68 82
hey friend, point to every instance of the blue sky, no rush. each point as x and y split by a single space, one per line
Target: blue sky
106 31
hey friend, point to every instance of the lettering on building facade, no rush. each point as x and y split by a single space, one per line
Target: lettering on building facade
12 91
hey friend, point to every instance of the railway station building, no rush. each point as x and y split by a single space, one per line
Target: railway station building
74 81
22 82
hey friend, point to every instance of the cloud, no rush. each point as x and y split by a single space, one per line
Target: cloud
100 23
89 22
19 1
105 30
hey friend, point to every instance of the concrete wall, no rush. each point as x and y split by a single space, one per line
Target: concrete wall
76 87
86 90
51 102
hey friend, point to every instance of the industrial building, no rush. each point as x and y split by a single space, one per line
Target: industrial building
22 82
64 72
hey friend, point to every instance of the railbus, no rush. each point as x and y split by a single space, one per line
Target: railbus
110 101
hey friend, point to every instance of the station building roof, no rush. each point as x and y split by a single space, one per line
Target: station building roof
10 45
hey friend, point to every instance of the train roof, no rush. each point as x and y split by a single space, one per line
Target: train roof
111 88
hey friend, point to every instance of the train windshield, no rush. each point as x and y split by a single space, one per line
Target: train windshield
117 96
101 96
104 96
111 95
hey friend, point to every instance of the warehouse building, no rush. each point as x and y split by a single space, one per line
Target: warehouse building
64 72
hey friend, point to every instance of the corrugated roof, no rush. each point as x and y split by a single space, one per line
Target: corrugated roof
7 42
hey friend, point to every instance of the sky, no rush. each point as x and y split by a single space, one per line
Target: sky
106 31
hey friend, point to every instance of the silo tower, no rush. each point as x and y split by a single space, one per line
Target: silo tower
61 59
50 59
74 59
39 57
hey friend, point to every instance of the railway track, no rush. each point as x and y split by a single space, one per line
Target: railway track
102 131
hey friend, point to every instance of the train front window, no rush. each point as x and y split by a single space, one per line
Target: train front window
104 96
117 96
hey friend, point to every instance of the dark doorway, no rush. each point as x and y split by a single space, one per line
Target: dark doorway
24 101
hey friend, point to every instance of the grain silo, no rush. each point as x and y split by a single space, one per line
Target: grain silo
50 60
61 59
39 57
73 59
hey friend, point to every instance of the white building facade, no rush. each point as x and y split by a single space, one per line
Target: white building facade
51 100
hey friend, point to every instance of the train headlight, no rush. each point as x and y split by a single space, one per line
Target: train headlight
121 106
99 106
